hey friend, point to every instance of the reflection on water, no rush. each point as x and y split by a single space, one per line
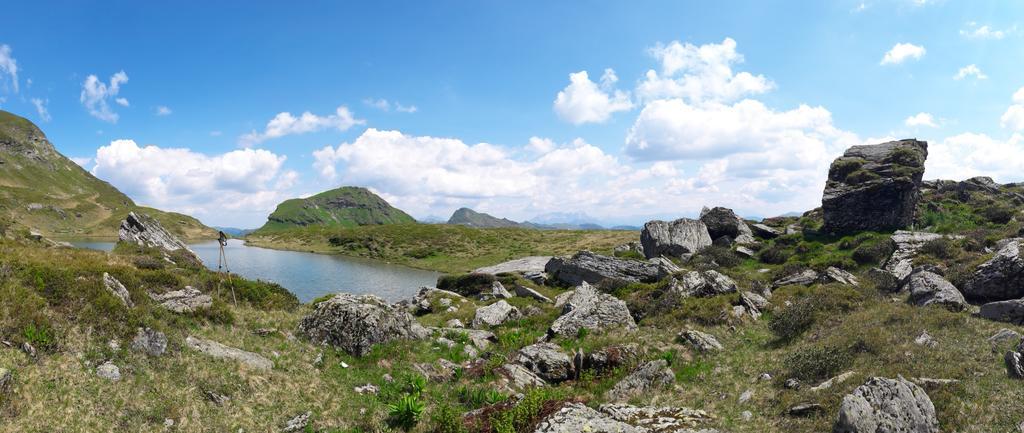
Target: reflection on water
309 275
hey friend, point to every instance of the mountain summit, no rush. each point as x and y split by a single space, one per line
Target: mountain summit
469 217
347 206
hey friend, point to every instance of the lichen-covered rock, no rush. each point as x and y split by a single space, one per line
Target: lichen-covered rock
187 300
117 289
1000 278
701 341
807 277
927 288
1011 311
526 292
297 423
901 263
702 284
647 377
723 222
586 308
547 361
525 265
495 314
356 323
874 187
577 418
516 377
588 267
609 358
6 379
143 230
218 350
658 419
149 341
674 239
109 371
1014 364
887 405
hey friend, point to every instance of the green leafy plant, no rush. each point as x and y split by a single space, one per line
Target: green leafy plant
406 412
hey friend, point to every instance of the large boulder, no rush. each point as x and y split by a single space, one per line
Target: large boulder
674 239
701 341
145 231
927 288
356 323
592 268
702 284
1000 278
723 222
1011 311
586 308
874 187
495 314
887 405
523 265
647 377
547 361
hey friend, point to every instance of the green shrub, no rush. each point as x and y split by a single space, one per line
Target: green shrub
810 305
873 253
792 321
818 362
775 255
420 252
261 294
861 176
467 284
723 256
526 413
941 248
842 167
447 419
828 260
998 213
906 157
406 412
714 310
148 263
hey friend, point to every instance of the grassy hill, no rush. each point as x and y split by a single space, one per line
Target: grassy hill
471 218
45 191
348 206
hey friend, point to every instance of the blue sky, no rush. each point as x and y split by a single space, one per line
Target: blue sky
745 105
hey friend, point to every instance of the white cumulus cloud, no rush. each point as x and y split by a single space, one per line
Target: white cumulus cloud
921 119
9 66
96 93
700 73
902 52
1013 118
584 101
976 31
162 110
287 124
968 71
40 105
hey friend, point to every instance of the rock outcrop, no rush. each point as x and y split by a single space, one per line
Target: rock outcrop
217 350
523 265
577 417
674 239
724 223
516 377
547 361
623 418
702 284
586 308
874 187
1011 311
887 405
927 288
117 289
145 231
900 263
588 267
647 377
356 323
701 341
187 300
1000 278
495 314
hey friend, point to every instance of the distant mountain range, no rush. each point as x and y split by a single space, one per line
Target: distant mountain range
471 218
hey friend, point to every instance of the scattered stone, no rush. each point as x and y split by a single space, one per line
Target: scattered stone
28 350
666 263
609 358
926 340
792 383
517 377
1011 311
808 277
723 222
747 415
217 350
442 371
874 187
765 231
149 341
454 323
298 423
547 361
356 323
498 291
187 300
834 274
1004 336
746 396
263 332
495 314
586 308
805 409
1014 364
216 398
588 267
526 292
802 278
633 246
1000 278
674 239
754 303
470 352
367 389
6 379
145 231
745 252
927 288
701 341
117 289
646 377
445 342
832 381
887 405
702 284
109 371
525 265
480 338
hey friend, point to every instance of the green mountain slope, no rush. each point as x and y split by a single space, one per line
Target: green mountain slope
348 206
45 191
469 217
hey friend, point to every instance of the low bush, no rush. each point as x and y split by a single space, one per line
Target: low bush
816 363
809 306
941 248
873 252
466 285
997 213
775 255
723 256
535 405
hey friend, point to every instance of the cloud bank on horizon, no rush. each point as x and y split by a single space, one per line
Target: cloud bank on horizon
695 125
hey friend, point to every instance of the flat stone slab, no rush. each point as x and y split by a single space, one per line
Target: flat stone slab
217 350
522 266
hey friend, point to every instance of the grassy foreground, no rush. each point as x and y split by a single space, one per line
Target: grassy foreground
440 247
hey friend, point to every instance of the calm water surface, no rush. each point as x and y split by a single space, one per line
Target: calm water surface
309 275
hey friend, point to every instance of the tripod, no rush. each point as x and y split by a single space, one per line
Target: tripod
222 266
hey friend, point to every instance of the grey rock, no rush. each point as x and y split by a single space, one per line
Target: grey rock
356 323
633 246
442 371
908 243
495 314
525 265
927 288
367 389
1011 311
805 409
792 383
1000 278
802 278
109 371
149 341
480 338
187 300
526 292
145 231
609 358
216 350
835 380
586 266
657 419
6 380
1014 364
577 417
647 377
667 264
216 397
834 274
929 383
1004 336
547 361
674 239
808 277
874 187
498 291
517 377
745 252
701 341
887 405
722 221
746 396
454 323
298 423
925 339
117 289
765 231
702 284
586 308
754 302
